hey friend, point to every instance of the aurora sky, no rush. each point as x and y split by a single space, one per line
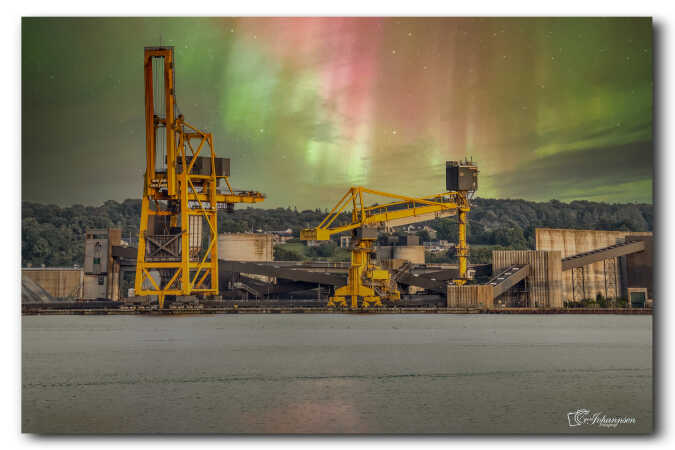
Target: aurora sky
307 107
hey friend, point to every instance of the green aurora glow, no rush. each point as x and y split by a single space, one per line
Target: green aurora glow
550 108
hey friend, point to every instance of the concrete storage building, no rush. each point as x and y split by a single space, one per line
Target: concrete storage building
98 259
412 253
99 278
610 277
258 247
639 268
408 249
245 247
568 265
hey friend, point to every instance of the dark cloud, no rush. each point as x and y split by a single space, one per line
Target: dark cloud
594 171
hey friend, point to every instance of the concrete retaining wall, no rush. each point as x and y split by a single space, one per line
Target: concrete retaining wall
58 282
477 295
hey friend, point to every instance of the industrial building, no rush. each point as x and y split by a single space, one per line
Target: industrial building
568 266
98 278
106 259
611 277
101 280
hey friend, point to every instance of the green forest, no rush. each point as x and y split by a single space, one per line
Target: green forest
54 235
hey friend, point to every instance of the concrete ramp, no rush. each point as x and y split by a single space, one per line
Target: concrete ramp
613 251
508 278
245 287
483 295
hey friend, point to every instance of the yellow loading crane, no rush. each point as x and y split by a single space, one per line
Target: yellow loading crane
368 281
178 236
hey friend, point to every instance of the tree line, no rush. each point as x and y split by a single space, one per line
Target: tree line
54 235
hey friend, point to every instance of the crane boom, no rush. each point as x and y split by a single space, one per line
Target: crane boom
381 214
366 280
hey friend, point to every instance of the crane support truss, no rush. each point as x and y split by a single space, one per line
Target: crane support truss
367 281
178 233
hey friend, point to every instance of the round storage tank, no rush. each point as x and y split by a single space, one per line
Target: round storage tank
412 253
245 247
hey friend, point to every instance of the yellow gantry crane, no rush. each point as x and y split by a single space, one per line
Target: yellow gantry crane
178 237
366 280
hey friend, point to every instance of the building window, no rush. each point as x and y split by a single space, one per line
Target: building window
97 260
101 280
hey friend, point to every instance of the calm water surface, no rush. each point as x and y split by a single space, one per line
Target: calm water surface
334 373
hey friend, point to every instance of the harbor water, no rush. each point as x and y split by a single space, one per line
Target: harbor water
336 373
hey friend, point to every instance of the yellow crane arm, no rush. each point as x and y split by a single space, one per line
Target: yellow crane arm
403 207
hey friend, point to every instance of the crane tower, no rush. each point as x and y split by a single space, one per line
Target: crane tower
178 234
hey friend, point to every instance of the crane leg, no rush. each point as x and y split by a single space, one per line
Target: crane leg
337 301
369 301
353 291
462 248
